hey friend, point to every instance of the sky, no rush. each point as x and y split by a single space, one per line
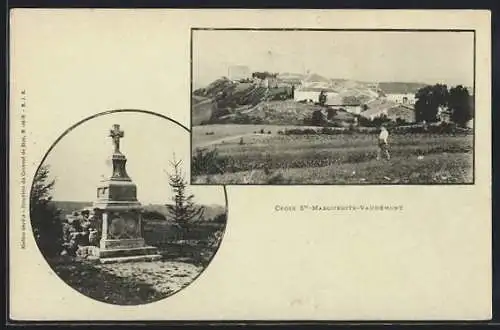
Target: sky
428 57
82 158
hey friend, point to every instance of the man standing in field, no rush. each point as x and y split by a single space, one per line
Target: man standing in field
382 144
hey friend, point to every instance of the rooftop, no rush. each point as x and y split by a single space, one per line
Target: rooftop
315 89
400 87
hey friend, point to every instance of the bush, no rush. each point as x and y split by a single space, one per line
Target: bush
400 121
207 162
376 122
445 128
153 214
221 218
298 131
318 118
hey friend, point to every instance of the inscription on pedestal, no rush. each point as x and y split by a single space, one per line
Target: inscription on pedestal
125 225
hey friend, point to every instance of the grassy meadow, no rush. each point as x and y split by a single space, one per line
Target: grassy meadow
247 156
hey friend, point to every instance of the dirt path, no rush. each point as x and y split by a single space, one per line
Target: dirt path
128 283
227 138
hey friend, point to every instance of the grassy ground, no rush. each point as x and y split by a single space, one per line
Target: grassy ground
219 132
145 282
127 283
336 159
453 168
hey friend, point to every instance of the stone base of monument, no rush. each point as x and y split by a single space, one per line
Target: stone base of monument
136 258
127 251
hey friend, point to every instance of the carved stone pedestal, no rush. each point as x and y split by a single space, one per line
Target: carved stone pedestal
120 215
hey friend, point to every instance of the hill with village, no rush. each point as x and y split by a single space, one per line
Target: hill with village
290 98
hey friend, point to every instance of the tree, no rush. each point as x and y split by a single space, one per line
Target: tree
317 118
460 105
330 113
429 99
380 120
264 75
322 98
400 121
183 211
45 217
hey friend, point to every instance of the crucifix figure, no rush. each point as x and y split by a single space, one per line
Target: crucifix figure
116 135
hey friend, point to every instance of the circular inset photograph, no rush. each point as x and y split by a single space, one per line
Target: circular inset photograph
114 215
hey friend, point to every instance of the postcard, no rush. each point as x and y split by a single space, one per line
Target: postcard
258 165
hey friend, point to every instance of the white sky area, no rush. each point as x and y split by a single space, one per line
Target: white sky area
428 57
83 157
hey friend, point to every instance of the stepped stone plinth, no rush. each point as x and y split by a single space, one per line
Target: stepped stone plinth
120 214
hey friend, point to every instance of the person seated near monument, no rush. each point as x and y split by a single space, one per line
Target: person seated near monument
69 237
85 220
67 230
93 236
81 225
76 221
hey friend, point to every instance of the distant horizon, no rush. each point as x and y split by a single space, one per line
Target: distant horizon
142 203
340 78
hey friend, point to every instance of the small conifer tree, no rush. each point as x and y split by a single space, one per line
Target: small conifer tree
184 210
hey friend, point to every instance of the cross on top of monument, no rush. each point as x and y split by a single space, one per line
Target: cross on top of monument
116 134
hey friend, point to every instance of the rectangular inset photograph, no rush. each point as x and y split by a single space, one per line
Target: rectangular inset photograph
332 107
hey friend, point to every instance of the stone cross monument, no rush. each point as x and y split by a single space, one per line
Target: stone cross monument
120 213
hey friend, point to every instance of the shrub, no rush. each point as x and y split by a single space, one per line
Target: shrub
207 162
400 121
221 218
277 178
153 214
298 131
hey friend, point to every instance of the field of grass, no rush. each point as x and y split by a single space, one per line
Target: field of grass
332 159
207 134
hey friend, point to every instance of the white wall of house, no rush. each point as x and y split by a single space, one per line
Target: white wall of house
470 123
301 95
377 114
402 98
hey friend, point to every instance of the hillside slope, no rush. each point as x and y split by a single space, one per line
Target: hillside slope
400 87
211 211
227 102
202 111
